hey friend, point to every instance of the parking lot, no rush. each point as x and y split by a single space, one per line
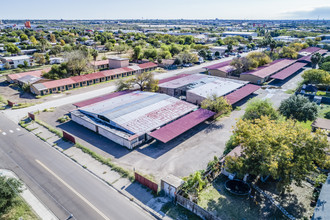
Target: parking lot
185 154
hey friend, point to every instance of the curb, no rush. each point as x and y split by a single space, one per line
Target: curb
142 206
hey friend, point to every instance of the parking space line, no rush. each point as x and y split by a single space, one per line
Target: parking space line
18 129
3 133
11 131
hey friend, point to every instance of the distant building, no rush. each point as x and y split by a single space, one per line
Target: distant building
127 118
14 61
286 38
118 62
100 64
242 34
56 60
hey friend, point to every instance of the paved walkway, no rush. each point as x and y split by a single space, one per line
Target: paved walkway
38 207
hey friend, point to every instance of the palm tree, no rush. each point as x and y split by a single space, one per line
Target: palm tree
94 54
316 59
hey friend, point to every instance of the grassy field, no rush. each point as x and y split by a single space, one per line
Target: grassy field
19 209
11 71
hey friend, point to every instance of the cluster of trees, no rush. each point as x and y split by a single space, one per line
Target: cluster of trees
274 144
251 61
316 76
76 64
281 149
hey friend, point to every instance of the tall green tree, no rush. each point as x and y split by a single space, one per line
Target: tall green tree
316 59
257 108
299 107
12 48
316 76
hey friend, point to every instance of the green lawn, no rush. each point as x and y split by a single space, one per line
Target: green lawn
323 93
323 110
19 209
217 199
307 124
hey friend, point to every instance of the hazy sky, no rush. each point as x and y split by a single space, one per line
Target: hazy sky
165 9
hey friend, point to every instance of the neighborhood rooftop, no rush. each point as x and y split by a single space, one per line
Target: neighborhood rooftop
285 73
271 68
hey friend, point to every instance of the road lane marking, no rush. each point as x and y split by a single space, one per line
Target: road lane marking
73 190
11 131
3 133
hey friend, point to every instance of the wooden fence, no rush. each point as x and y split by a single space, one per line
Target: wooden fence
144 181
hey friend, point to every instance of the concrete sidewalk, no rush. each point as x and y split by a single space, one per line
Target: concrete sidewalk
38 207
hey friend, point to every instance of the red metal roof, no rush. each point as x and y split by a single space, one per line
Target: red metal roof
310 49
271 68
36 73
285 73
100 98
147 65
174 129
172 78
100 62
241 93
219 65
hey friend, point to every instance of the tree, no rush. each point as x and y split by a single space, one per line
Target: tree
288 52
121 48
47 58
187 57
257 108
202 53
216 104
55 50
39 58
108 46
7 66
26 64
33 40
9 188
52 38
229 47
316 76
299 107
12 48
217 53
316 59
220 42
77 62
43 44
57 72
272 45
282 149
137 54
145 81
94 54
24 37
325 66
62 42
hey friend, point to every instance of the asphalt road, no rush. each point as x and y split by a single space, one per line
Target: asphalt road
58 182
